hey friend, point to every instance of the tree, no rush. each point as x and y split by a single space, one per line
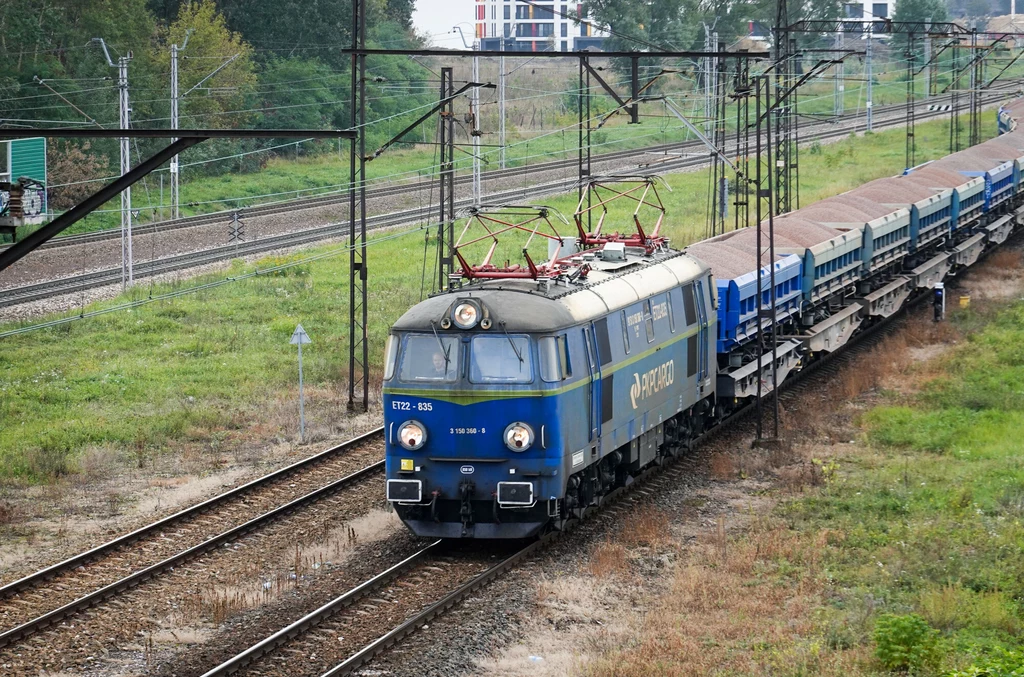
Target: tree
920 10
400 12
306 28
74 166
302 93
917 11
52 39
657 24
211 100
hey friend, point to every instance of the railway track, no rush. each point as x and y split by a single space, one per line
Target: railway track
340 637
377 192
111 276
350 630
62 590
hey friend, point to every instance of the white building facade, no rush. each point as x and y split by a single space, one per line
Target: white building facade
534 27
870 10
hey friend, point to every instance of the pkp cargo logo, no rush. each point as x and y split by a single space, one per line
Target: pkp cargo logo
651 382
467 470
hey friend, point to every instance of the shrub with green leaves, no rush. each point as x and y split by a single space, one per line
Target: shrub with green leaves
905 642
1006 664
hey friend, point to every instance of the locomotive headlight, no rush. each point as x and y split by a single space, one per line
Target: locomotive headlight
518 436
412 435
466 315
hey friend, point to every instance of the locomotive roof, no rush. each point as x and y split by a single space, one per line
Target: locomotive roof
526 305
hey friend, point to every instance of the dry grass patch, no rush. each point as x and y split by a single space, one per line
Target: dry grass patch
1006 259
609 559
745 606
723 466
651 529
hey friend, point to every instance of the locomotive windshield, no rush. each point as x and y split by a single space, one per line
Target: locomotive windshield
430 358
500 359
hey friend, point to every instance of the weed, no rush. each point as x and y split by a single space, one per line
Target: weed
609 559
1004 663
722 466
8 513
905 642
1006 259
650 529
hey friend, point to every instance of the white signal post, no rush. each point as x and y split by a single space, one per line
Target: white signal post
300 338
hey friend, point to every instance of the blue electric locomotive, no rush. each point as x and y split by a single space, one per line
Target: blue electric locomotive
517 401
511 405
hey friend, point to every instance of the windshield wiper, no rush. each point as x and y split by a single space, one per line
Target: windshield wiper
444 351
511 342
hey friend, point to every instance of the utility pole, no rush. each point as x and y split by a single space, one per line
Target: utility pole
839 92
785 148
501 88
475 131
358 355
928 57
174 121
911 142
124 119
707 82
867 75
446 196
977 78
474 106
501 106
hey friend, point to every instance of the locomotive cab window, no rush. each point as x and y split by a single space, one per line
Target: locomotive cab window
500 359
554 359
427 357
390 357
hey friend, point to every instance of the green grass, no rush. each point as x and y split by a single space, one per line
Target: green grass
932 522
190 370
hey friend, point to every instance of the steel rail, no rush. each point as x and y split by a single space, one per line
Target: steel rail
110 276
286 206
858 344
368 652
130 581
49 572
397 189
313 618
863 341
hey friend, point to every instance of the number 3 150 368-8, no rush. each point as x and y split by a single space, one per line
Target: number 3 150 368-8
408 406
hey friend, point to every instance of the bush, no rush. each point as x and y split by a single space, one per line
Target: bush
1007 664
905 642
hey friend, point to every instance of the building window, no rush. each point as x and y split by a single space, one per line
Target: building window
534 30
565 30
565 46
508 12
880 10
